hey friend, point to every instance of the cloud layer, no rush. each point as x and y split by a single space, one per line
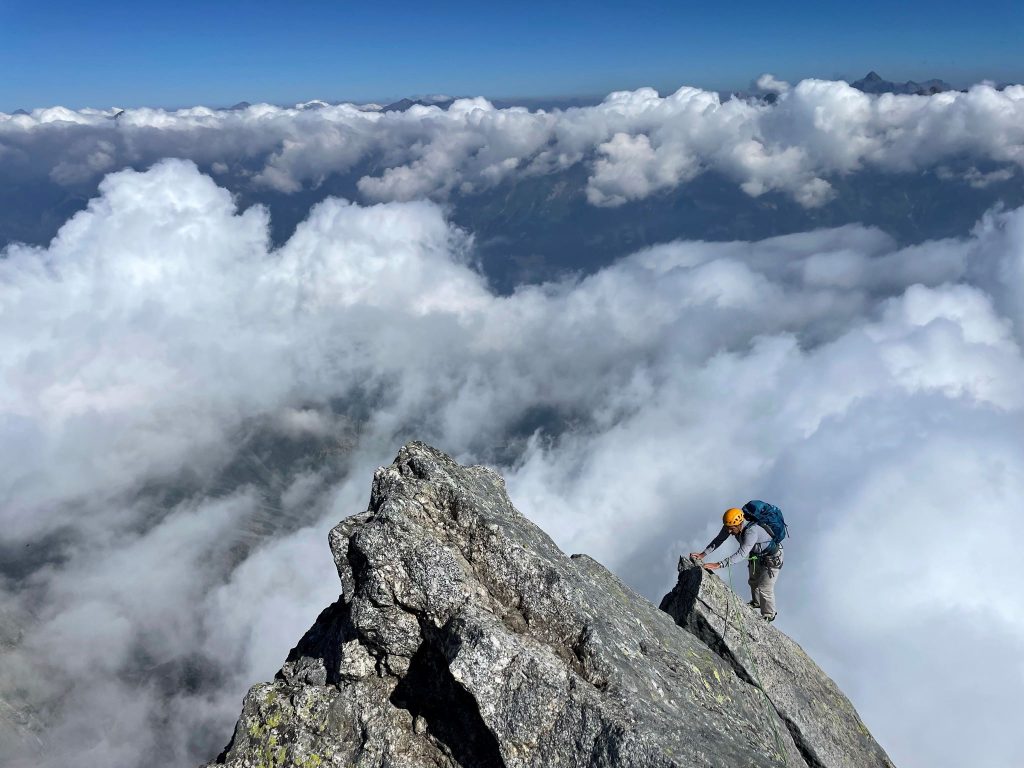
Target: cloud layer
165 366
632 145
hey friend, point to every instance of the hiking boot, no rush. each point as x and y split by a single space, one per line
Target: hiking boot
752 604
769 617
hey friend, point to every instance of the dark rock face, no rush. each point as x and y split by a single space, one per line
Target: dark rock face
465 637
819 717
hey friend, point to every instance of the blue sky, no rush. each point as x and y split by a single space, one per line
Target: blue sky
183 53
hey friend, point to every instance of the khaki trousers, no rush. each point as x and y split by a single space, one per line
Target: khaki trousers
761 579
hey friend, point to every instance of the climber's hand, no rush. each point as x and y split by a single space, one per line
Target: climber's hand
712 566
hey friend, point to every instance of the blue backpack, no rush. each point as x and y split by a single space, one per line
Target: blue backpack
770 518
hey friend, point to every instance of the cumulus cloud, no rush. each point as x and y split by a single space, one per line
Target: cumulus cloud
632 145
771 84
186 410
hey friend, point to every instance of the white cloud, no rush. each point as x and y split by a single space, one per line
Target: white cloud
630 169
870 390
977 179
633 145
771 84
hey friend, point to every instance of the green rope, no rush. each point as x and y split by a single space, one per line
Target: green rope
750 664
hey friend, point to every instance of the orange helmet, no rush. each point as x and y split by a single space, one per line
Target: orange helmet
733 517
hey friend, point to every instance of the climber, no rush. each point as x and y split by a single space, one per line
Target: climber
759 545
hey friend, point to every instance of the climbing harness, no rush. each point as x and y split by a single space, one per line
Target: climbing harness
750 662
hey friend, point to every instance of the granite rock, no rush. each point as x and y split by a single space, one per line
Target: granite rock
821 720
464 637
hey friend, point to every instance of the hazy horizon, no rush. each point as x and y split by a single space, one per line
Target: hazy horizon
527 99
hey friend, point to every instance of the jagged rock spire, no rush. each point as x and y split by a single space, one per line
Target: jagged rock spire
465 637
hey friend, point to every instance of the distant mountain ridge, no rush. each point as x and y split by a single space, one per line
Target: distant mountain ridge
872 82
403 105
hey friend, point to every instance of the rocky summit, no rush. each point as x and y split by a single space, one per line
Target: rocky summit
465 637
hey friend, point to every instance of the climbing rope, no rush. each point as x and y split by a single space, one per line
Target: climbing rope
750 663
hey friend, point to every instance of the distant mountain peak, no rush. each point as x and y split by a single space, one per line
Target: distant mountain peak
872 82
443 102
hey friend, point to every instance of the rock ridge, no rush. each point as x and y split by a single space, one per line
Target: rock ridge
464 637
823 723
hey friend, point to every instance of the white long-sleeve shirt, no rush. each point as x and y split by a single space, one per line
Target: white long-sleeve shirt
753 540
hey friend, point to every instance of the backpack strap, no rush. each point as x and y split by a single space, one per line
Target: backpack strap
772 547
